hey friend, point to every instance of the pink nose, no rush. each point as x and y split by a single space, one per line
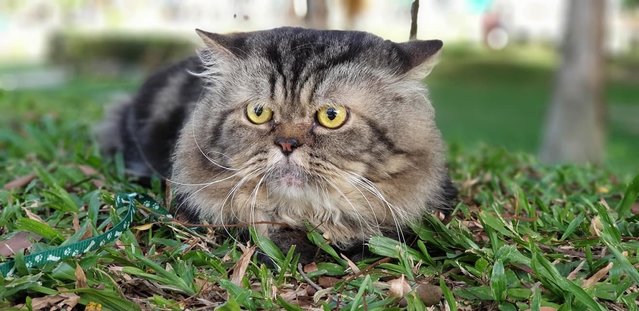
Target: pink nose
287 144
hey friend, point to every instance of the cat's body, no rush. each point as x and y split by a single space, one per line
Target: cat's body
327 128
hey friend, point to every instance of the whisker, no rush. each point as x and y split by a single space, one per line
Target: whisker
370 186
370 206
204 186
254 195
359 218
231 195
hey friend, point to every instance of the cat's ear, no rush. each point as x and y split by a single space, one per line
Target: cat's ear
228 46
422 56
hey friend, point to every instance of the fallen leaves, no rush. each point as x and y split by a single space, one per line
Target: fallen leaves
327 281
80 277
597 276
575 272
398 288
239 270
96 179
596 226
64 301
311 267
89 172
351 265
19 182
18 242
429 294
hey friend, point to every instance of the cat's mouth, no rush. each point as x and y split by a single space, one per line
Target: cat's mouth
287 177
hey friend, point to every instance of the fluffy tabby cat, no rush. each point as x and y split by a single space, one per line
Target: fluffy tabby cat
296 126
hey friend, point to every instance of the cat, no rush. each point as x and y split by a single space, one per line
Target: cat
292 127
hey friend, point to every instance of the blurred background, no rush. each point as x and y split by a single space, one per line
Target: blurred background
499 77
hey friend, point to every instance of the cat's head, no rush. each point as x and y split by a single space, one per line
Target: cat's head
340 118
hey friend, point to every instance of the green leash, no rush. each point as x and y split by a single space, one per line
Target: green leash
84 246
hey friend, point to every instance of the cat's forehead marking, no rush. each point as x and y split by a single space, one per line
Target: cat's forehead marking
299 62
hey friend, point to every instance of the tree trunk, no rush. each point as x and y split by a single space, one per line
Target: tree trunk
317 14
575 124
414 9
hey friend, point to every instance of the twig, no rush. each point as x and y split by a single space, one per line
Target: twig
356 275
306 278
241 225
367 269
414 8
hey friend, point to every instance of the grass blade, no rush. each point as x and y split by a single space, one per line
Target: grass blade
360 293
448 295
629 197
498 281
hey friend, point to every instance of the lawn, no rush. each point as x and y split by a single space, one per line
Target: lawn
500 99
523 236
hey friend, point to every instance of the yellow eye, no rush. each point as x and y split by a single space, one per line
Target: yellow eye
258 114
332 117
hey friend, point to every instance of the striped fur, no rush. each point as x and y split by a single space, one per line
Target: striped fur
382 170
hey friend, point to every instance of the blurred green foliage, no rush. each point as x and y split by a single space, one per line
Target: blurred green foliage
87 52
631 3
500 98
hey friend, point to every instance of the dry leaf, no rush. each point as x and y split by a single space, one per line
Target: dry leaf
573 274
87 234
88 171
351 264
240 267
19 182
429 294
32 216
398 288
596 226
80 277
321 293
292 294
45 302
66 301
143 227
310 290
75 223
311 267
545 309
16 243
226 258
597 276
70 300
327 281
203 285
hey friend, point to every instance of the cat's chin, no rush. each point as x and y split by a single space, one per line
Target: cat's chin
291 180
288 180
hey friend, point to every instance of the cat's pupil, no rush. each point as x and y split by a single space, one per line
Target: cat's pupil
258 111
331 113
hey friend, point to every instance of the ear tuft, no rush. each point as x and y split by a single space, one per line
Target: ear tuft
222 44
421 56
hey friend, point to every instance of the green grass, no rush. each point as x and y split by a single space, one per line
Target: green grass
524 235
